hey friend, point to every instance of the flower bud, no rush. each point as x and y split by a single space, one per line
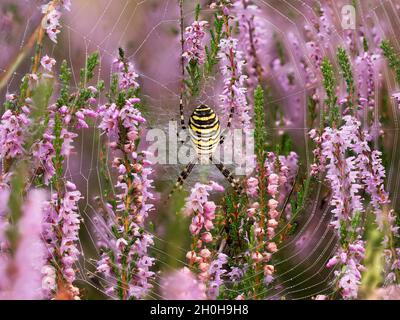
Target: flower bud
273 179
208 225
272 223
259 231
273 214
272 204
206 237
257 257
251 212
270 232
203 266
268 270
205 253
191 256
271 247
267 256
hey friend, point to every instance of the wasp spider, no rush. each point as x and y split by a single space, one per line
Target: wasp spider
205 135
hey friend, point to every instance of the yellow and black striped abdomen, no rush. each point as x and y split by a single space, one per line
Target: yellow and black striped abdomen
204 130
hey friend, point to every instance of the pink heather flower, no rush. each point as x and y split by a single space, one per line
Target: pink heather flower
319 165
139 285
332 262
259 231
4 245
349 284
216 187
209 210
350 262
396 97
252 187
4 196
273 214
33 78
49 280
51 21
301 55
272 223
43 150
251 212
257 257
43 153
273 179
127 74
373 175
235 274
132 242
205 253
81 115
367 71
61 231
272 189
130 116
347 175
271 247
252 32
21 276
109 119
198 198
342 171
287 176
206 237
269 270
182 285
67 143
30 256
234 92
191 256
272 204
194 47
202 211
47 63
216 271
11 97
13 126
203 214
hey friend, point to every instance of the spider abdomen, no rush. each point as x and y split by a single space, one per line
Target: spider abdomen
205 130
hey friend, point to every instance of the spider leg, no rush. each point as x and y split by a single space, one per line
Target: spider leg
229 124
229 176
222 137
182 89
182 120
182 177
182 116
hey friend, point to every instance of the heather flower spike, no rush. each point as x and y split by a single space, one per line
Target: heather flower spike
125 262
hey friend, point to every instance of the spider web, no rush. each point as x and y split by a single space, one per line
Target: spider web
148 31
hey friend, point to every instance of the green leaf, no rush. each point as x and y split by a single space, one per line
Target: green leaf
260 134
329 83
392 56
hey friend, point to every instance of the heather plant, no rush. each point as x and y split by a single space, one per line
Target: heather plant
86 212
124 259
